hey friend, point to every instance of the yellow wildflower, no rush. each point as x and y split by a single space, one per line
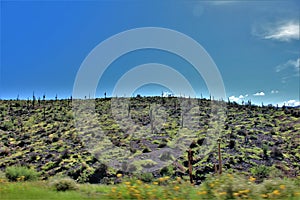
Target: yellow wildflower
264 195
176 188
178 179
222 193
236 194
155 183
139 182
202 192
282 187
244 191
119 175
127 183
211 185
114 189
276 192
136 191
252 179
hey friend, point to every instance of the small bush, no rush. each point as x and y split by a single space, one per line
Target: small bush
260 172
21 173
228 186
167 171
7 125
146 177
64 184
278 189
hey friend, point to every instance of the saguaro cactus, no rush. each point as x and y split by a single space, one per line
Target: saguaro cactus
33 99
219 155
151 120
182 120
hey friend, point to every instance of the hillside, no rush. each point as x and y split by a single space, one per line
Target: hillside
145 134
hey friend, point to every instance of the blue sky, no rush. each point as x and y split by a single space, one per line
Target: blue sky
255 44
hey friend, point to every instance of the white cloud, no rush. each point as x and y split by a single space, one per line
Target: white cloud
259 94
167 94
239 98
274 91
280 31
292 103
233 98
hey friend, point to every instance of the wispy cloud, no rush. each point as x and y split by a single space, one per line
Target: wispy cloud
284 31
295 64
218 3
199 5
286 67
259 94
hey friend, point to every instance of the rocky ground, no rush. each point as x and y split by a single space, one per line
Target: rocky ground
89 140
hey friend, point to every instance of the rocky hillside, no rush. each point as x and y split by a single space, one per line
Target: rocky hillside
147 134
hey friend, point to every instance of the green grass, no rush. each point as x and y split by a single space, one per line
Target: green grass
226 186
34 190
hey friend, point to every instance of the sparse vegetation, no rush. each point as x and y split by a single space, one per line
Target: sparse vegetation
262 143
20 173
63 184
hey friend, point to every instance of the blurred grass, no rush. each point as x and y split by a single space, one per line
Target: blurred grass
227 186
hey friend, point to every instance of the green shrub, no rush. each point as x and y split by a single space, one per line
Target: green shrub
278 189
167 171
228 186
63 184
146 177
21 173
260 172
7 125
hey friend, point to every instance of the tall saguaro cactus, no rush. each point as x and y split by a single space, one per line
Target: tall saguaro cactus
151 120
129 108
219 155
181 119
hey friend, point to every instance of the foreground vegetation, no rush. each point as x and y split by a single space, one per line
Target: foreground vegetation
226 186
